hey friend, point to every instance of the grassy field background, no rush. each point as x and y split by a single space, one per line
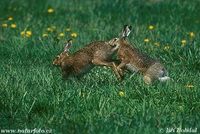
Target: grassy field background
33 94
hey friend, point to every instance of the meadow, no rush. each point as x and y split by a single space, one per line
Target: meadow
34 95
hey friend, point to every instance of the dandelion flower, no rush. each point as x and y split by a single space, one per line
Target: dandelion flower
28 33
13 25
50 10
68 29
121 93
44 35
61 34
189 86
157 44
22 33
183 43
192 34
10 18
146 40
49 29
74 35
151 27
4 25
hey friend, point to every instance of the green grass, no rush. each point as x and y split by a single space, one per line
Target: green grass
34 95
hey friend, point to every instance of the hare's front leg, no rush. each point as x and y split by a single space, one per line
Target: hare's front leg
66 71
65 74
147 79
120 68
108 64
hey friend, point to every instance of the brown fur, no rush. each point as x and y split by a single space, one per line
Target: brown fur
141 61
82 61
132 59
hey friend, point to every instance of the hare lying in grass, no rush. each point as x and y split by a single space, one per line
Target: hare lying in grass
135 61
95 53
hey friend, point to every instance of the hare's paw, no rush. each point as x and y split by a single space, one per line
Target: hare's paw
147 80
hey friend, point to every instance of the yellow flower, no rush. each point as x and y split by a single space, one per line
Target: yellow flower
157 44
4 25
192 34
183 43
189 86
146 40
61 34
10 18
44 35
22 33
167 47
28 33
151 27
74 35
50 10
121 93
13 25
49 29
68 29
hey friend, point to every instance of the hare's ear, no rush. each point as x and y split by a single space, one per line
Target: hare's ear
68 45
126 31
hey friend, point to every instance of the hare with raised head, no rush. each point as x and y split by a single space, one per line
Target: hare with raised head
133 60
96 53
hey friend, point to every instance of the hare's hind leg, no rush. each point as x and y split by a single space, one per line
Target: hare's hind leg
65 74
108 64
150 75
156 72
147 79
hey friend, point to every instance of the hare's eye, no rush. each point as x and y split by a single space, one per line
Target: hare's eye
115 39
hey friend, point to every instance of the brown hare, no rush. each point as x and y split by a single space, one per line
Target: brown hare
133 60
82 61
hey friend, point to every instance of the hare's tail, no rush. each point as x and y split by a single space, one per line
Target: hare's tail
164 75
164 78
